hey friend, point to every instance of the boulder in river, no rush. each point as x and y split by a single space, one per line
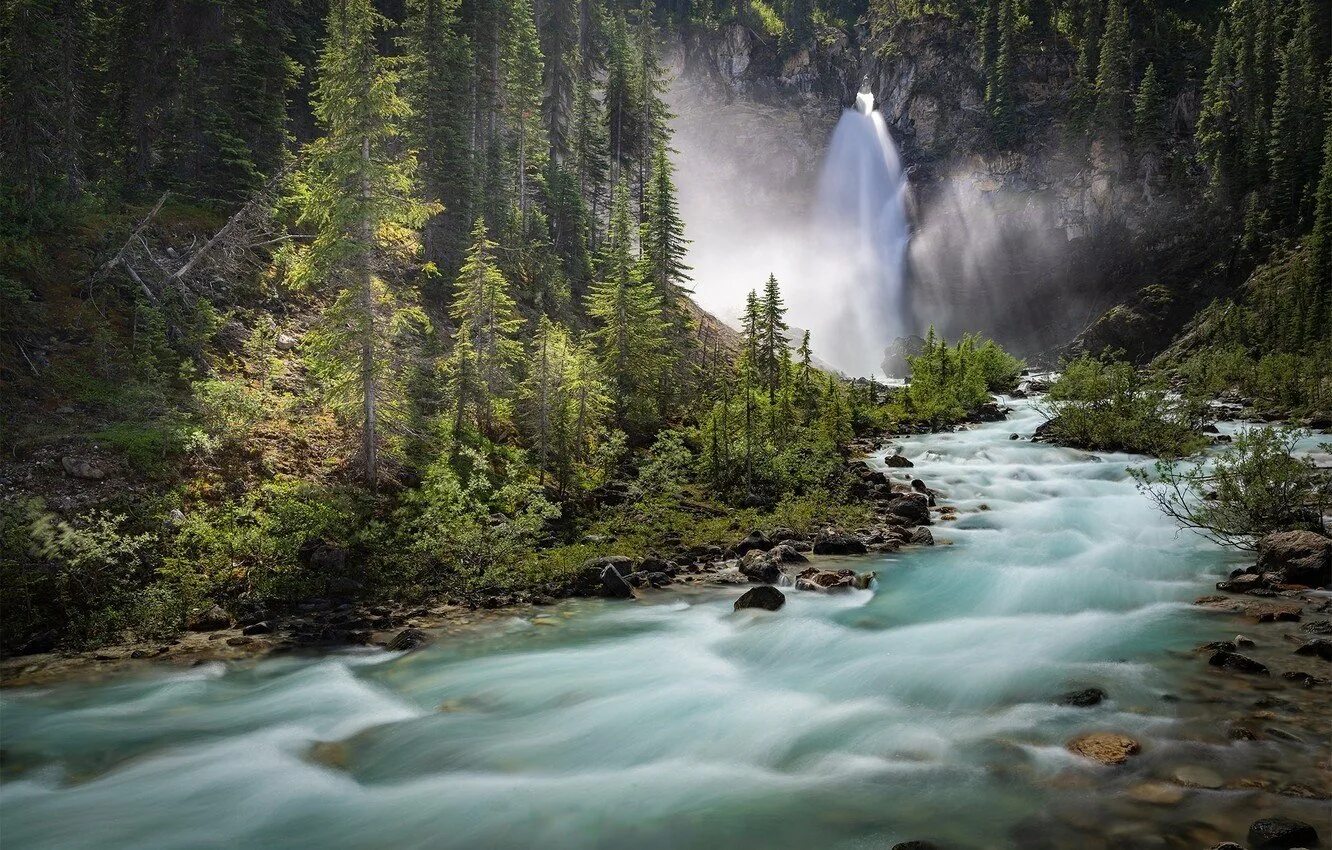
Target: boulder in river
1083 697
758 566
1317 648
765 597
1301 557
209 620
613 584
1281 834
1109 748
898 462
916 845
839 543
911 507
754 540
813 578
785 553
922 537
1233 661
409 639
589 581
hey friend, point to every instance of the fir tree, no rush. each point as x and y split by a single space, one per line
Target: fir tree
487 318
1217 128
522 64
1320 239
772 346
356 192
1112 78
1297 115
439 61
663 243
630 335
559 28
1000 93
1148 132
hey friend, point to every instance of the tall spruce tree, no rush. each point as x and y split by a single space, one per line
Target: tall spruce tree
522 64
356 191
1217 130
1297 118
438 67
1113 99
630 333
487 318
773 351
1148 105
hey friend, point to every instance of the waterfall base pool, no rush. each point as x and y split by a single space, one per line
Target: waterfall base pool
925 708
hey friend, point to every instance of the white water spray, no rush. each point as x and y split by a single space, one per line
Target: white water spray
852 293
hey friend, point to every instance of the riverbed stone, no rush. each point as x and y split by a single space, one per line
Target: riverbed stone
922 536
759 567
1281 834
915 845
785 553
1317 648
1237 663
1083 697
1196 776
1302 557
897 461
409 639
764 597
1108 748
913 508
613 584
813 578
1156 793
756 539
839 543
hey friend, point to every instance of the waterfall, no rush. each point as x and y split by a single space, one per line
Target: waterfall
853 296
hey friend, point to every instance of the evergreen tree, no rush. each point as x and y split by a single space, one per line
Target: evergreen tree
559 28
772 346
1217 130
663 243
487 318
1148 103
522 64
630 335
1297 116
623 110
804 379
439 62
41 81
1112 79
356 191
589 148
1088 62
653 123
1320 240
1000 93
563 403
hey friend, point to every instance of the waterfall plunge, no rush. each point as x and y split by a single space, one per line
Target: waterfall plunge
854 294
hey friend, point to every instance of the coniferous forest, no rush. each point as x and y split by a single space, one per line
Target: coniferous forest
331 325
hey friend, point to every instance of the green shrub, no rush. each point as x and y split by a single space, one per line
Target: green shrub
1110 406
1257 485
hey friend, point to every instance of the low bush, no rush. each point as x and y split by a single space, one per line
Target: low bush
1256 486
1107 405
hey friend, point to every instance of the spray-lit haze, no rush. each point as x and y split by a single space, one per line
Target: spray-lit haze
837 243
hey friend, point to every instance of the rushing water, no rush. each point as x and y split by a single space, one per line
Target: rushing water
852 290
924 708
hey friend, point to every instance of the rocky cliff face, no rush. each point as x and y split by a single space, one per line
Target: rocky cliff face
1029 245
